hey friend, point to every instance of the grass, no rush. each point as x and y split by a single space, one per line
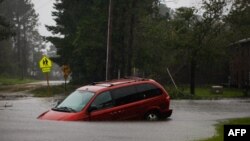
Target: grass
53 90
12 81
220 126
204 93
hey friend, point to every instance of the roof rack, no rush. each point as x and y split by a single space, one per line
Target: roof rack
116 81
135 78
102 83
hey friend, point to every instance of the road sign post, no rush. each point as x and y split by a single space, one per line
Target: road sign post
47 78
45 64
66 72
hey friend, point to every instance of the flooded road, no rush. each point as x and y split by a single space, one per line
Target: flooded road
191 120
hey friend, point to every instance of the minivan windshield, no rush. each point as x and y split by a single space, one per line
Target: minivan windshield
75 102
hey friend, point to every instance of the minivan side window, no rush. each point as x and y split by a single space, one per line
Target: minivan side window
102 101
148 90
125 95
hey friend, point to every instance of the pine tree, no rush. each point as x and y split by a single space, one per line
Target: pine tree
22 15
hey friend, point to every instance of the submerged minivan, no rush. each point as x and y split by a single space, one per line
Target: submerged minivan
122 99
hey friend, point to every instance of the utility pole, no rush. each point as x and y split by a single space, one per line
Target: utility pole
108 57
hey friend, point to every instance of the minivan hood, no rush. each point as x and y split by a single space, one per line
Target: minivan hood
57 115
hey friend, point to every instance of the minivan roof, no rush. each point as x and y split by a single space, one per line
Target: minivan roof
96 86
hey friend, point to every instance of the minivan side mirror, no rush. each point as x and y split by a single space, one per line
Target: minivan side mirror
58 102
92 108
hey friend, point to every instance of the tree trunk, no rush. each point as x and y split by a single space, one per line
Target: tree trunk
123 52
131 38
19 50
25 53
192 75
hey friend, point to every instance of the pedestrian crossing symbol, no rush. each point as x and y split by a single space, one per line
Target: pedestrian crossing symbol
45 64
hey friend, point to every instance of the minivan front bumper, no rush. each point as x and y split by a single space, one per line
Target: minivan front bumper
167 114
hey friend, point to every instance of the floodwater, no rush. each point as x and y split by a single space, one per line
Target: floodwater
191 120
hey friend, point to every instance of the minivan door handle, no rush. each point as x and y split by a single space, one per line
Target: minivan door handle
117 112
113 113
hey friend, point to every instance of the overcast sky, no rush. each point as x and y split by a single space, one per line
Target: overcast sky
180 3
45 7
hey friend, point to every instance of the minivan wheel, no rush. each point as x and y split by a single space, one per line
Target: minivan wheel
152 116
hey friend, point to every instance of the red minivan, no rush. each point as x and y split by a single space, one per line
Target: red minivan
122 99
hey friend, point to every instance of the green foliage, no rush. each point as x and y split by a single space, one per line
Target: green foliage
83 45
84 26
146 37
238 20
201 37
17 54
5 28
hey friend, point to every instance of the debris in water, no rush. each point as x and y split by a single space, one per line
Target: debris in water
8 105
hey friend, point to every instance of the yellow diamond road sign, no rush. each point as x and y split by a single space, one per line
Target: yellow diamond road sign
46 69
45 64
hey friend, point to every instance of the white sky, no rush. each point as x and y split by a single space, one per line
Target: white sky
45 7
182 3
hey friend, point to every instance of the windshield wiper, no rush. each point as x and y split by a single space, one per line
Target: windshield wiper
64 109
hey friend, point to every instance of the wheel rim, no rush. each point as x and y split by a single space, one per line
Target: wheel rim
152 117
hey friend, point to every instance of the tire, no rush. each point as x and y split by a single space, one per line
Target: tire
152 116
167 115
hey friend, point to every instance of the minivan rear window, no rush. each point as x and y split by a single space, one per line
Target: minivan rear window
148 90
134 93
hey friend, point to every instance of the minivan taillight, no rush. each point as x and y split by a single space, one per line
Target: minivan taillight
167 97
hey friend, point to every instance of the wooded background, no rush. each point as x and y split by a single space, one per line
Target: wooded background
147 38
